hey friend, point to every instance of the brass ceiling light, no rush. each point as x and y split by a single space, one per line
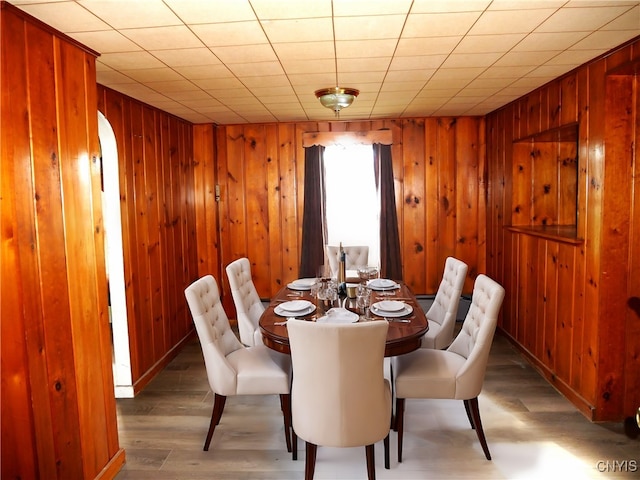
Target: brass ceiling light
336 98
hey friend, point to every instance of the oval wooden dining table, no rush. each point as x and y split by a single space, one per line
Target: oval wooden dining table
402 337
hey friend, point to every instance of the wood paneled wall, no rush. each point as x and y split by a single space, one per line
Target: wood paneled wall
572 304
155 151
58 407
440 196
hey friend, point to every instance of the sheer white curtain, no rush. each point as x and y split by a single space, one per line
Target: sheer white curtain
352 202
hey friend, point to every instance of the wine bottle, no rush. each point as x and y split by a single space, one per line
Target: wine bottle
342 272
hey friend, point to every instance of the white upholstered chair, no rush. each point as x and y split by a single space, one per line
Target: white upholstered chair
457 372
339 396
248 305
232 368
444 309
355 257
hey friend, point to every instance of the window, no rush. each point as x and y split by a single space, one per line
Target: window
352 205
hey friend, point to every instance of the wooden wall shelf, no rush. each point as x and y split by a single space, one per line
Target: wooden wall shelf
558 233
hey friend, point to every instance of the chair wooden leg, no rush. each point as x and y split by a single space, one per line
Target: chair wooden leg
294 446
218 407
371 461
393 396
468 410
387 462
475 414
285 405
400 425
310 461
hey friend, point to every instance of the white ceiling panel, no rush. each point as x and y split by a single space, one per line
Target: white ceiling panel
247 61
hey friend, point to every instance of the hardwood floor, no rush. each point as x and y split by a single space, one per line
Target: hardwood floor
532 432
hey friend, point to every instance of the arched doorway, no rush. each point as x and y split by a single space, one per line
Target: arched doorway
114 260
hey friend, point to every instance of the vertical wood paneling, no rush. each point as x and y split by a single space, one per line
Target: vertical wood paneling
261 173
58 410
158 209
413 218
587 289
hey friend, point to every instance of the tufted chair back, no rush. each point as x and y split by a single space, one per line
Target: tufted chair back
245 297
339 396
474 340
356 257
444 309
215 334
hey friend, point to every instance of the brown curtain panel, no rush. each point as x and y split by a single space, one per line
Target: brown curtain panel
390 261
312 252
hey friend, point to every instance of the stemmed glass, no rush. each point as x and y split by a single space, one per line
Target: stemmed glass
363 300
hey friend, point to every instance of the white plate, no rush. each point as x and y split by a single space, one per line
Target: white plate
287 313
390 305
302 284
339 315
382 284
408 309
295 305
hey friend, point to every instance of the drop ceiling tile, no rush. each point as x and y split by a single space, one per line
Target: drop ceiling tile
145 75
368 27
274 91
548 41
630 20
365 48
478 92
256 69
140 92
418 62
442 82
526 4
127 14
226 34
488 43
549 71
224 93
444 6
299 50
245 53
163 38
169 87
111 77
347 8
67 17
516 59
288 9
186 57
219 83
467 74
573 57
580 19
510 21
506 72
420 75
319 80
267 81
199 11
303 66
375 64
462 60
130 60
490 83
439 24
605 40
352 79
299 30
106 41
201 72
186 96
426 46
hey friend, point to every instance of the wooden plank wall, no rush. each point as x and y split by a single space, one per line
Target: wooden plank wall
158 208
58 408
569 305
440 196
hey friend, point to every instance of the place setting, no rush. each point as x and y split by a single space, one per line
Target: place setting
294 308
392 310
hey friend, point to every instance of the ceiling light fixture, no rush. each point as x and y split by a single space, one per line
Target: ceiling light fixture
336 98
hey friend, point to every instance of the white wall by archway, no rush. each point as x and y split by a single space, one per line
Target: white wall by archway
115 260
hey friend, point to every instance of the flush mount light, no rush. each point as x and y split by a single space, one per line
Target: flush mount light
336 98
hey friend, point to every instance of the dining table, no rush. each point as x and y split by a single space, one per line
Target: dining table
405 331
